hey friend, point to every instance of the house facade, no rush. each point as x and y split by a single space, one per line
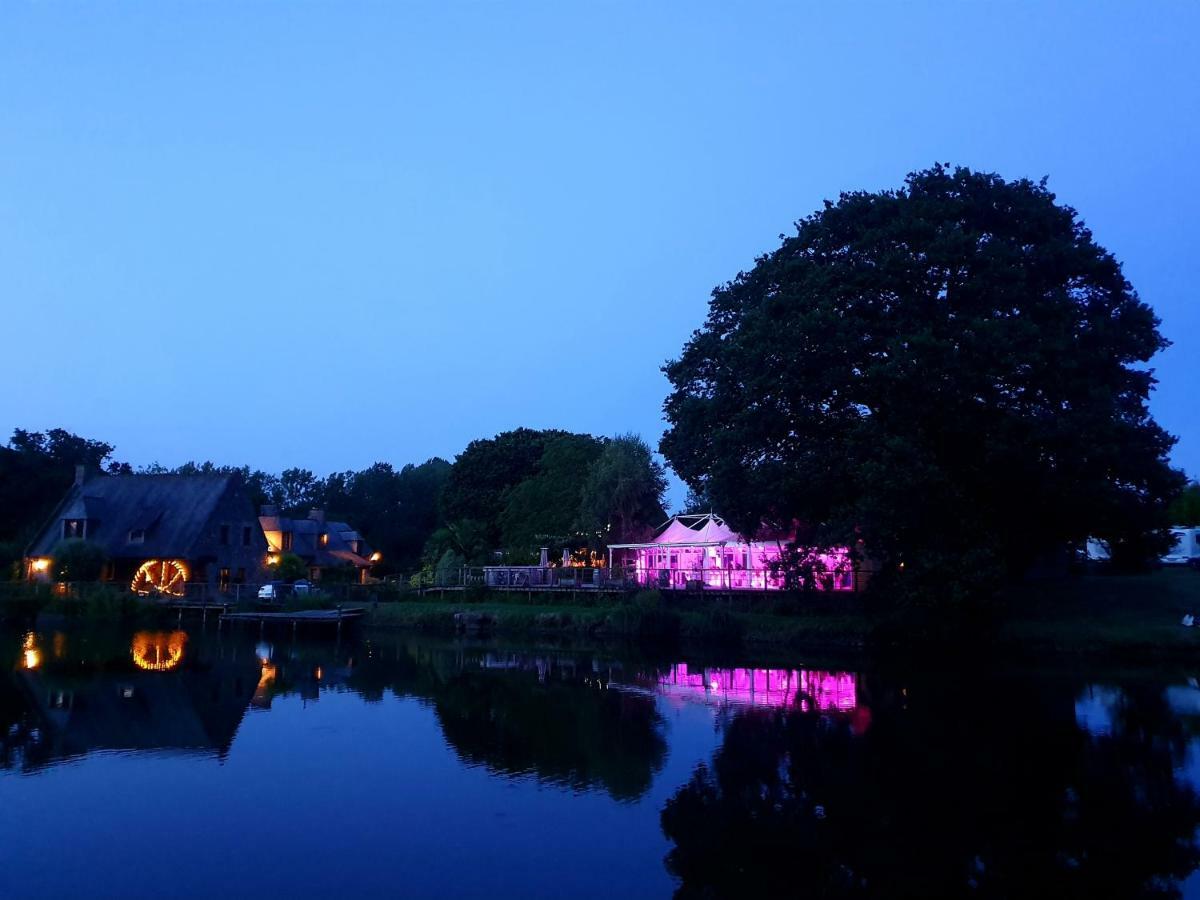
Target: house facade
323 545
159 533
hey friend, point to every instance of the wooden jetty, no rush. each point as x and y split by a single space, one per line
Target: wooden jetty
308 616
180 606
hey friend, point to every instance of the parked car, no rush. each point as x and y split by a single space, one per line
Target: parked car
275 591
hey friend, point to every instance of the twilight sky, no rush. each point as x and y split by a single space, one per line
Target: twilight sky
329 234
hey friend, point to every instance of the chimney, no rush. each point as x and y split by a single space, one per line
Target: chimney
80 475
317 515
545 560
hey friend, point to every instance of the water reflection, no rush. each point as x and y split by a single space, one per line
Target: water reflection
825 782
118 693
983 786
763 687
157 651
31 654
553 719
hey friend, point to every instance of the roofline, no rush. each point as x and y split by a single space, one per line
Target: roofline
675 544
54 517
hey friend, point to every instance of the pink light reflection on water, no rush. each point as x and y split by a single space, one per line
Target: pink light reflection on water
826 691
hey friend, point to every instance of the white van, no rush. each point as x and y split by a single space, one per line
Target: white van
1186 550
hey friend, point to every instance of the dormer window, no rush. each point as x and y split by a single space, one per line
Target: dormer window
137 536
74 528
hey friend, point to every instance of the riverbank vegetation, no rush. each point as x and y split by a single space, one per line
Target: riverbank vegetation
1124 616
1132 616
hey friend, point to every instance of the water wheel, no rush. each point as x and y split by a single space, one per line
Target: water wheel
160 576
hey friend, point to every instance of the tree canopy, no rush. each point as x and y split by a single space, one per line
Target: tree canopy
1186 508
622 497
35 469
524 489
952 372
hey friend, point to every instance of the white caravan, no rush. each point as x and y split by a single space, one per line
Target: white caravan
1186 549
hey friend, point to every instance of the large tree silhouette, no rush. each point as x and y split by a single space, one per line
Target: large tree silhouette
952 372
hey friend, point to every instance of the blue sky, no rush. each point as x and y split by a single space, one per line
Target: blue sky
329 234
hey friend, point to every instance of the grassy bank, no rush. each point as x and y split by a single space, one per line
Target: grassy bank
1112 615
1133 617
644 615
1130 614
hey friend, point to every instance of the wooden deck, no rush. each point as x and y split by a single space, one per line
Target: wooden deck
329 616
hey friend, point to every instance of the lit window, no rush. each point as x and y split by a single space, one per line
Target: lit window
324 539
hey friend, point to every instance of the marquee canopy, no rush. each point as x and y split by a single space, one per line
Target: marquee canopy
704 530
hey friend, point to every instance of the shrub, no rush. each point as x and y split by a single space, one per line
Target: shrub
475 593
78 560
646 617
718 625
290 568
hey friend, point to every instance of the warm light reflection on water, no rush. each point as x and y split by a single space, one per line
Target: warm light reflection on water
31 654
158 651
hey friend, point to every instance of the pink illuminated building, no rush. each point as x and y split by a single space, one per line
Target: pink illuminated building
702 551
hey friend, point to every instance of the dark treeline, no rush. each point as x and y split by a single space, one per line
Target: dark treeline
510 494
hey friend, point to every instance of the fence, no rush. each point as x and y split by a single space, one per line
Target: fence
500 578
617 578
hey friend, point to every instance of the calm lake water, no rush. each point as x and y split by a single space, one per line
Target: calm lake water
202 764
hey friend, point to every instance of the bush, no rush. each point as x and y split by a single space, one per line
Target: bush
12 554
98 602
475 593
23 601
290 568
718 625
78 560
646 617
311 600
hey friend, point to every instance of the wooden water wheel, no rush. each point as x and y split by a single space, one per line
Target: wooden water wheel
160 576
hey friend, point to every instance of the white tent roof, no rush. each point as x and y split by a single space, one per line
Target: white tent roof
690 531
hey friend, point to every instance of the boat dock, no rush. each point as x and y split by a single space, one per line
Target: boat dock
308 616
180 606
